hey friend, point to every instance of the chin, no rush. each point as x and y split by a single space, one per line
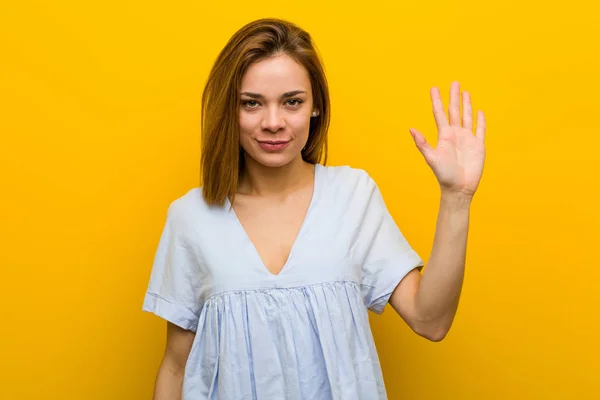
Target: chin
273 160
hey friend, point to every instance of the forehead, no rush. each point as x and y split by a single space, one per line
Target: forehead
276 74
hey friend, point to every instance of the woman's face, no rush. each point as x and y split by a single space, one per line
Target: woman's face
275 111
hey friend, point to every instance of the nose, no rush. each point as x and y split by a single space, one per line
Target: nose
272 120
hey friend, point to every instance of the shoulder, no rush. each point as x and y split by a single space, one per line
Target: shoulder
190 208
189 201
347 180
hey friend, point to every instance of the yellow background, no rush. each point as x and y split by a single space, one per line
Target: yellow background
99 125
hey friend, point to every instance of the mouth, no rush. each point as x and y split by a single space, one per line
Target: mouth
273 145
273 142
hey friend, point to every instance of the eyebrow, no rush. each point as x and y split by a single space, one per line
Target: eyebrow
283 96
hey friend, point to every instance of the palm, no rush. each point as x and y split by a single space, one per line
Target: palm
458 158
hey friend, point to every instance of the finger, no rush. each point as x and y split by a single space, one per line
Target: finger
480 133
467 119
421 143
438 109
454 109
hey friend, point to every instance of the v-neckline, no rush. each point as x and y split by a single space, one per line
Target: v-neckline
251 244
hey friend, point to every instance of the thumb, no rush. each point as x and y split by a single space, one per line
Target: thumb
421 143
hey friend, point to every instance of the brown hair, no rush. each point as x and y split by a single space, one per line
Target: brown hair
222 157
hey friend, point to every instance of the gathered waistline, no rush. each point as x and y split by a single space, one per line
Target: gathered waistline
278 289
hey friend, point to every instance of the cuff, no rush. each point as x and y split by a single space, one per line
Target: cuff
172 312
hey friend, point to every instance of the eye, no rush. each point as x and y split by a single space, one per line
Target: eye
250 103
294 102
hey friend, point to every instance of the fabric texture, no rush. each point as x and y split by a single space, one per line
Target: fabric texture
301 334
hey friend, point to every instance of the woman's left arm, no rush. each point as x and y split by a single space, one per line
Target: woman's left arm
429 303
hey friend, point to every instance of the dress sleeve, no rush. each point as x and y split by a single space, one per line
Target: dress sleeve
385 255
173 290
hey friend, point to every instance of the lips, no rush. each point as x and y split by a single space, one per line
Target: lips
273 142
273 145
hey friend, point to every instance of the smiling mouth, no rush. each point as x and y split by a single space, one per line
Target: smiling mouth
273 142
273 145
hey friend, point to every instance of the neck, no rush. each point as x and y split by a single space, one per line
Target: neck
260 180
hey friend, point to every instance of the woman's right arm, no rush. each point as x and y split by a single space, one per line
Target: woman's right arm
169 381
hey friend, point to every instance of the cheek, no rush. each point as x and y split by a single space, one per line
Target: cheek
248 123
299 124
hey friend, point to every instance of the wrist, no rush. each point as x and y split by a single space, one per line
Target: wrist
456 199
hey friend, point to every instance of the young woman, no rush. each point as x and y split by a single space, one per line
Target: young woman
265 274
